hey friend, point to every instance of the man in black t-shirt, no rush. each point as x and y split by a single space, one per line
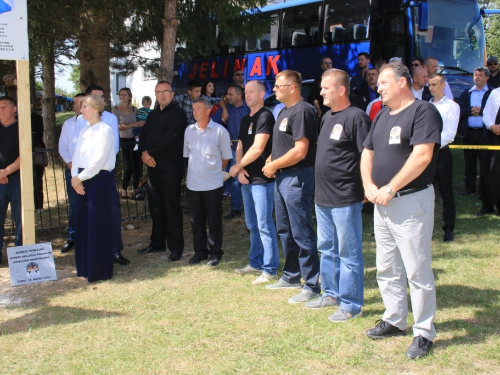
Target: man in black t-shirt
398 166
339 199
10 185
314 97
254 147
291 162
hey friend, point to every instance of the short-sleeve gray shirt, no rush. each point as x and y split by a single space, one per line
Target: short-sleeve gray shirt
206 149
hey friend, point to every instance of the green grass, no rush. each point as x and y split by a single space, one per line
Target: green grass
156 317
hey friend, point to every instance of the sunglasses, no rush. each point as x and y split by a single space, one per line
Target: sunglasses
492 63
238 74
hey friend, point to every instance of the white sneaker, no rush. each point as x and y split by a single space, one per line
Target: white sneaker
263 278
247 269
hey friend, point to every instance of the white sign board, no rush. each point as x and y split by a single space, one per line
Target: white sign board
31 263
13 30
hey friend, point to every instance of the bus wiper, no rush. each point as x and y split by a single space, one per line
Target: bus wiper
456 68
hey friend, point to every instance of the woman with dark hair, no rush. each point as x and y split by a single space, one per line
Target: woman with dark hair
127 120
93 179
208 89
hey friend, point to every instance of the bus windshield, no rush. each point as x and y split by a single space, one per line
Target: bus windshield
454 37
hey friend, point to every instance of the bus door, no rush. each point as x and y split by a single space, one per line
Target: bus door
395 31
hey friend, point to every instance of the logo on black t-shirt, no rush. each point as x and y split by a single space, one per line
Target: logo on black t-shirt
336 132
250 128
283 125
395 136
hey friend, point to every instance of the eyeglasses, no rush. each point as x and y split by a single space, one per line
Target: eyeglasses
280 86
492 63
162 92
237 74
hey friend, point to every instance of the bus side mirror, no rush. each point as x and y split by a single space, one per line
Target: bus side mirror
423 16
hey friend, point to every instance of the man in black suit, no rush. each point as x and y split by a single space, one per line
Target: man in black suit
367 90
419 83
472 102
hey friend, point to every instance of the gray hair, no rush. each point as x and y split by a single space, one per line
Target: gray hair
400 71
205 102
486 71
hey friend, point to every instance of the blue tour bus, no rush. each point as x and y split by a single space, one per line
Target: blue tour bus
301 32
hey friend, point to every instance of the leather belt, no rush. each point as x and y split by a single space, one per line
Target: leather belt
409 191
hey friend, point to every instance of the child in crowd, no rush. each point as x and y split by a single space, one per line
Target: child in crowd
142 115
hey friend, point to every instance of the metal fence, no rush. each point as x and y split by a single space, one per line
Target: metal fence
54 209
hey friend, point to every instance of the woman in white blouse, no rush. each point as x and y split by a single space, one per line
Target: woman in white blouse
93 179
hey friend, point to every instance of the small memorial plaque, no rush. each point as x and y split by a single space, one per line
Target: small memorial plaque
31 264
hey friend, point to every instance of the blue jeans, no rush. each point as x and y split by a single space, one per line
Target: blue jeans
71 204
258 201
11 193
235 187
342 267
293 201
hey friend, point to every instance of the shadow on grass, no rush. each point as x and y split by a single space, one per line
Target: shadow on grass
52 316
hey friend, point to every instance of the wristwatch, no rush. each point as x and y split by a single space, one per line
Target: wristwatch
389 191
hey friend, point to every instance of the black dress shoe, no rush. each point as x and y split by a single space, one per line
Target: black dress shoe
466 192
197 258
67 247
383 330
118 258
419 347
213 260
233 214
149 250
174 257
448 236
485 211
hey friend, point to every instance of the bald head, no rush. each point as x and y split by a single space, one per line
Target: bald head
420 78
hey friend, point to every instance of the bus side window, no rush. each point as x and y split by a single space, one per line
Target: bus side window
346 21
300 25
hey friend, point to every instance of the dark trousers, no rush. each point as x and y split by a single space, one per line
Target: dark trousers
474 137
38 186
11 193
95 232
444 178
491 197
71 205
116 217
164 196
206 206
293 207
133 169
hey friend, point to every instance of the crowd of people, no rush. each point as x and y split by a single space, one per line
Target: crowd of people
381 138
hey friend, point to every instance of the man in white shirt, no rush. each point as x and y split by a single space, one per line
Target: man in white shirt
490 113
67 144
450 113
431 65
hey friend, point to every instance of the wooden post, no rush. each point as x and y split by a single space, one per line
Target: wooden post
25 152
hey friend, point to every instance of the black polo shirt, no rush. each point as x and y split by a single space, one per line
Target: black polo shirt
261 122
494 82
163 136
392 138
292 124
340 143
9 145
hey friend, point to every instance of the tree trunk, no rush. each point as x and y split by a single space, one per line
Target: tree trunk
166 71
32 86
93 52
48 98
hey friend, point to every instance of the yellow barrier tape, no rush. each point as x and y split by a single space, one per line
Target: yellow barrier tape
471 147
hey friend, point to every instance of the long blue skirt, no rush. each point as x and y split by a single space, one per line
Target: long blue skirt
95 228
